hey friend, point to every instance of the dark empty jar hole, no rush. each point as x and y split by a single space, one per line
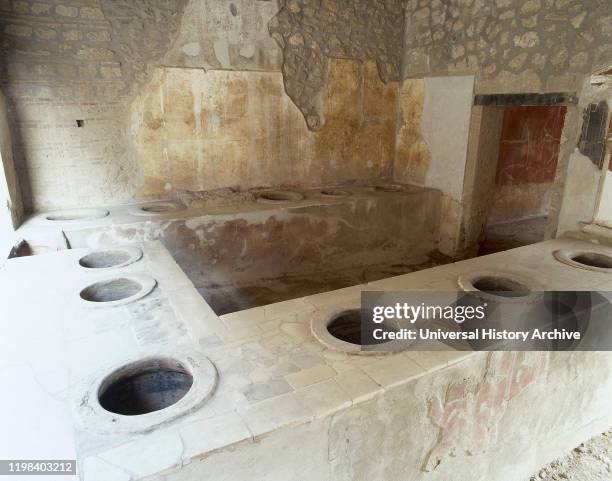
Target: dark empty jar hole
104 259
501 286
145 387
111 290
161 208
347 327
389 188
335 193
593 259
280 196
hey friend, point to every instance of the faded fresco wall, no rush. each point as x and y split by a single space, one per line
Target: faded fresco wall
197 130
529 150
510 410
513 45
510 46
79 60
73 71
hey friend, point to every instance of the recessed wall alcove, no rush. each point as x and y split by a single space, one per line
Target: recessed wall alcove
519 164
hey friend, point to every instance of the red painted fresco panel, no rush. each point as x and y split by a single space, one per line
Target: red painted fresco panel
529 146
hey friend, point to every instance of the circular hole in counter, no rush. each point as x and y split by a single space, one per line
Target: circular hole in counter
593 259
104 259
76 214
279 196
500 286
110 258
142 394
162 207
347 326
144 387
585 259
388 188
111 290
335 193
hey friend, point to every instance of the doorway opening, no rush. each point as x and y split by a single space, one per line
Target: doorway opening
526 167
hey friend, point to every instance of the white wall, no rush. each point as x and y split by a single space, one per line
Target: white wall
603 214
446 126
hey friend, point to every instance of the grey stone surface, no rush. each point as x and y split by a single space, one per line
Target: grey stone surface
251 254
227 34
68 61
312 31
82 60
64 62
542 41
84 51
10 194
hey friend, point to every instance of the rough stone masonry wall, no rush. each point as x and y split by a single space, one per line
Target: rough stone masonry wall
513 45
509 46
69 60
312 31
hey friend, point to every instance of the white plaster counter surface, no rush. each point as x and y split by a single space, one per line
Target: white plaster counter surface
129 218
272 372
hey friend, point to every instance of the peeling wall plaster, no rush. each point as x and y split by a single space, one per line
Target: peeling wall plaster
197 130
469 413
63 62
526 417
312 31
86 61
230 35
